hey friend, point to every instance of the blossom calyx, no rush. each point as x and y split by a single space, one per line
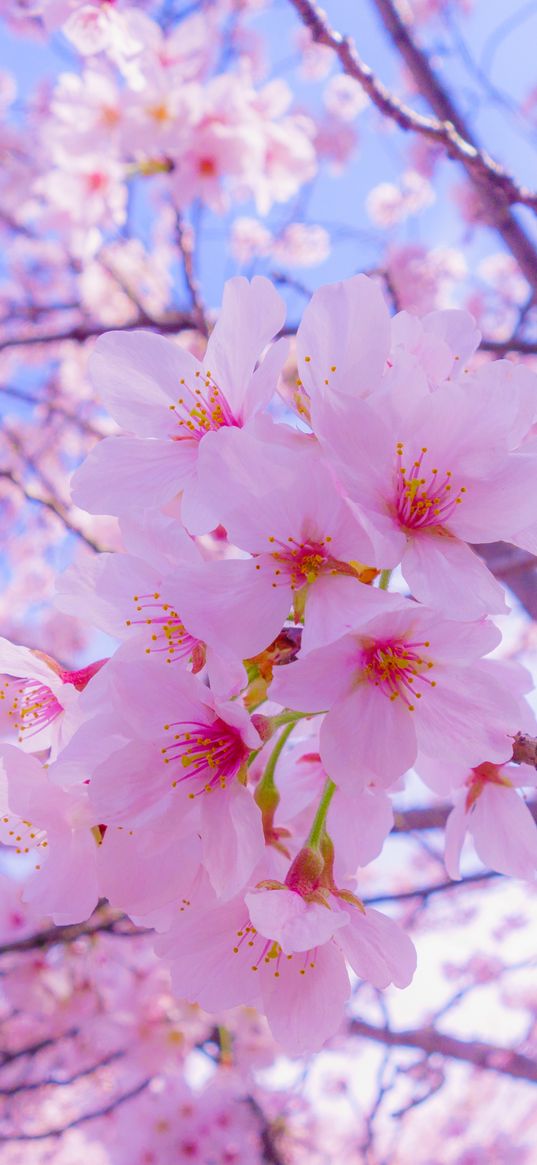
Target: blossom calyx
305 873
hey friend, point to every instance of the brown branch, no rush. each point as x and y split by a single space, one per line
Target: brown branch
500 347
271 1154
490 180
33 1049
51 407
48 504
425 892
185 242
52 1081
81 1120
172 324
489 1056
117 924
497 189
434 817
516 567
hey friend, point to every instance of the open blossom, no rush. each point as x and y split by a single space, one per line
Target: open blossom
432 461
402 681
436 475
39 697
161 393
176 760
502 828
275 948
133 598
279 503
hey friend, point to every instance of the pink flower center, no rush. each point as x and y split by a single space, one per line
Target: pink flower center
300 563
168 633
261 951
394 667
211 753
201 410
33 705
423 498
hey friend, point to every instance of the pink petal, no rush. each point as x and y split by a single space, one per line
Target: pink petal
122 472
233 841
131 878
504 832
136 374
368 736
317 680
251 314
347 325
456 826
378 949
204 968
443 572
358 825
232 605
304 1010
65 887
297 925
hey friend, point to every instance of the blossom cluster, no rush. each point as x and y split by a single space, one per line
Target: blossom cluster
187 109
225 774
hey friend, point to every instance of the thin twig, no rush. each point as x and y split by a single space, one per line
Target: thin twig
498 190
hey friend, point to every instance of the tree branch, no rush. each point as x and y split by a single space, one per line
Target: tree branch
497 189
489 1056
81 1120
118 924
49 504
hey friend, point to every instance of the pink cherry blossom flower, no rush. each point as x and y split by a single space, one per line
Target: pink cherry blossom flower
500 824
402 681
278 503
129 596
160 392
300 977
176 753
429 478
41 697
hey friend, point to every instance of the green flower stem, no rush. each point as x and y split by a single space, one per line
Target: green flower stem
267 784
316 831
288 717
226 1045
384 580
